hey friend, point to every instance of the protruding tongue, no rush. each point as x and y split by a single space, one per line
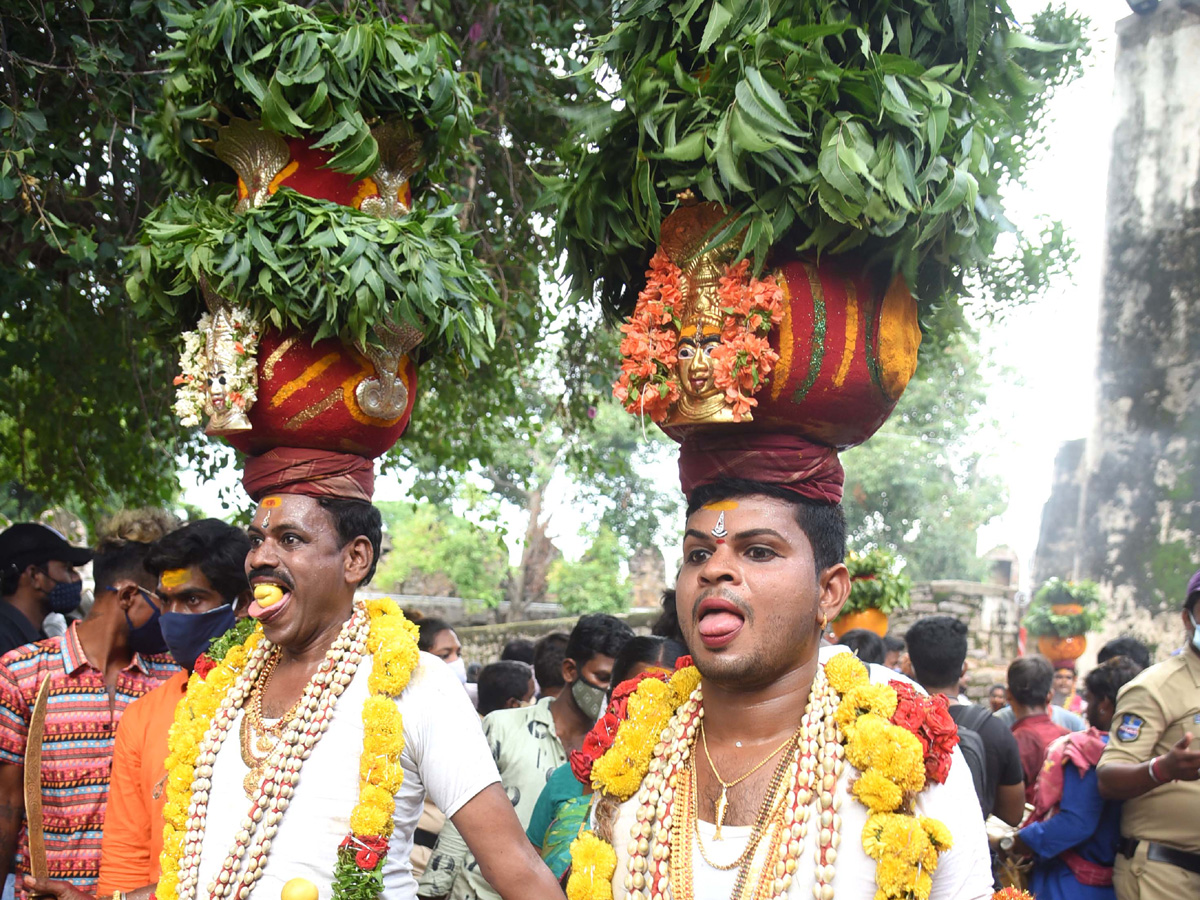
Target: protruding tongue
257 610
717 624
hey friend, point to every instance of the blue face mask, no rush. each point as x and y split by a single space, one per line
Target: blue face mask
190 634
1195 631
146 639
65 596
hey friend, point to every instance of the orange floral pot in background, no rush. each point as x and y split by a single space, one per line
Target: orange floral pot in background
1055 648
870 619
1066 609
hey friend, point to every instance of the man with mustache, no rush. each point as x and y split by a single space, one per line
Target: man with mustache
311 724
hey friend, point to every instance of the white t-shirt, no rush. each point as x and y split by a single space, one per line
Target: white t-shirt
964 871
445 755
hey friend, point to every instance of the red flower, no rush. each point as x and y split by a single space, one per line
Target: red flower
928 719
683 662
368 850
598 741
204 665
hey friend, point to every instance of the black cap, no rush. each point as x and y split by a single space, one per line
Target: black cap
28 543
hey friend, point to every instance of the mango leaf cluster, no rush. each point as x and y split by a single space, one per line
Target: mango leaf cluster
877 581
310 72
298 262
884 128
1042 621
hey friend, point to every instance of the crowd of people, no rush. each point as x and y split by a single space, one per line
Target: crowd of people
1092 792
1088 819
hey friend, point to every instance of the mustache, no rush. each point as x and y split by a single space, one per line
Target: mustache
271 572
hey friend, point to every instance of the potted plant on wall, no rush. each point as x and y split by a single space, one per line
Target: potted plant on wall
878 587
1061 615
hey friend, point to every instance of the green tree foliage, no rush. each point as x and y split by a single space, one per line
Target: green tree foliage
918 487
885 128
595 583
427 540
85 391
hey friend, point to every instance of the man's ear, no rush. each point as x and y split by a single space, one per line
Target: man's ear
127 594
36 575
964 670
358 555
570 671
835 590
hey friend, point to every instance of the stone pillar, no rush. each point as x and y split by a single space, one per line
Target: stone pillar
1140 516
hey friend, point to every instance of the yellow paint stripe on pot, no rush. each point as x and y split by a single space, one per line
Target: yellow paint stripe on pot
851 335
304 379
783 368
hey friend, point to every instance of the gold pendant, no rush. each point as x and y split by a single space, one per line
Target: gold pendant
722 805
251 781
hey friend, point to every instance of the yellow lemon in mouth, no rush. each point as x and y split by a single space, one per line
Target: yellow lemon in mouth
298 888
269 595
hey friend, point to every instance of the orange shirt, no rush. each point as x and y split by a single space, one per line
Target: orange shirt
133 825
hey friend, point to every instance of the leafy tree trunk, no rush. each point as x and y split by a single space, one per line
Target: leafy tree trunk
527 584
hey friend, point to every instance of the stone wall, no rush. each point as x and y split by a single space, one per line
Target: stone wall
483 643
1058 546
992 614
1139 514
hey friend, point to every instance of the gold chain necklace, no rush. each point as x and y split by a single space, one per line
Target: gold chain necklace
723 801
258 739
768 812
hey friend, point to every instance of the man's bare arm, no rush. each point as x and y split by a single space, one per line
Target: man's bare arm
1010 803
12 813
508 861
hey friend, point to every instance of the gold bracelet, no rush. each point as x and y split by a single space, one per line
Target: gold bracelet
117 895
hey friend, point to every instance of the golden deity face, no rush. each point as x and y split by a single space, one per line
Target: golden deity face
695 362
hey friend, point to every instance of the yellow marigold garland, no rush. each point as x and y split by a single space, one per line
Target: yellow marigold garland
192 717
890 758
392 641
905 847
593 864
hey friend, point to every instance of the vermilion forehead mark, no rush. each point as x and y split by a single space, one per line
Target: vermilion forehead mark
271 502
721 505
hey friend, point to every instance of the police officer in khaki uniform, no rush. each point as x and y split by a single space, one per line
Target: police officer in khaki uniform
1152 764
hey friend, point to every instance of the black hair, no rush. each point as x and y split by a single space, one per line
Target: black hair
937 649
667 624
652 649
1107 679
428 629
218 549
996 686
519 649
1029 679
548 655
893 644
865 643
1128 646
116 559
597 634
502 681
824 524
356 518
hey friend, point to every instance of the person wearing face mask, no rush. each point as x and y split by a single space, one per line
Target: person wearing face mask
529 743
99 667
202 589
37 578
1152 762
438 638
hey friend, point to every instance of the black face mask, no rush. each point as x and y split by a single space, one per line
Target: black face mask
65 596
190 634
146 639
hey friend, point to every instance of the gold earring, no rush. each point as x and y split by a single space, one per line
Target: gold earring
824 621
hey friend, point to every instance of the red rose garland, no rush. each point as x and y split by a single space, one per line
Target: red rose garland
929 719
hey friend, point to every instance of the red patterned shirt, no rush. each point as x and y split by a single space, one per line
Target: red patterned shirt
81 725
